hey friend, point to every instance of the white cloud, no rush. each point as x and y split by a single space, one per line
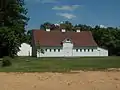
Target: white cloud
66 7
66 15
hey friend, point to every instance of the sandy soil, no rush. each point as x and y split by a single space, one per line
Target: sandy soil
92 80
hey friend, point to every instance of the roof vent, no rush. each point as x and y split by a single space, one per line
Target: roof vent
63 30
57 24
48 30
78 30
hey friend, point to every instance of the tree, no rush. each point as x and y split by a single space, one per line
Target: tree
67 25
46 25
83 27
13 18
39 48
28 37
49 25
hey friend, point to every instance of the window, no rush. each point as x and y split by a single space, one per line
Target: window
92 50
68 39
58 50
84 50
46 50
54 50
88 50
80 50
76 50
50 50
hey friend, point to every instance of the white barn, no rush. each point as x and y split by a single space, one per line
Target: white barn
65 44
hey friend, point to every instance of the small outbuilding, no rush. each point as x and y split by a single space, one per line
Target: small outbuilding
25 50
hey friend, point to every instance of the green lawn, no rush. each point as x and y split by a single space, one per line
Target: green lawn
30 64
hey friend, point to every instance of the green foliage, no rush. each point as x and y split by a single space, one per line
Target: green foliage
82 27
28 37
67 25
12 27
6 62
49 25
108 38
39 48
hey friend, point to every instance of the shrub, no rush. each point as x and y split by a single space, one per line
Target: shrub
6 62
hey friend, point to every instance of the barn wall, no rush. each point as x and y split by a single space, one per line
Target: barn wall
74 52
25 50
102 52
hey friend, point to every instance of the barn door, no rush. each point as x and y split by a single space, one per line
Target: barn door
67 47
67 52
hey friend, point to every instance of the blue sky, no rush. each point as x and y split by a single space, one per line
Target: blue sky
89 12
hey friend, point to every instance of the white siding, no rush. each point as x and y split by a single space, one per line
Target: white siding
51 53
102 52
85 52
67 53
25 50
68 50
75 52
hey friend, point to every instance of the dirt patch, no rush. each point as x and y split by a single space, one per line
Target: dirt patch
83 80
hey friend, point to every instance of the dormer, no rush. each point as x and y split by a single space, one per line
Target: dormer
67 40
48 29
63 30
78 30
67 43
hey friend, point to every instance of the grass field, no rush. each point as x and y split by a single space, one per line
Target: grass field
30 64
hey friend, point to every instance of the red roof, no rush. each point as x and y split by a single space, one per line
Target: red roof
55 38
